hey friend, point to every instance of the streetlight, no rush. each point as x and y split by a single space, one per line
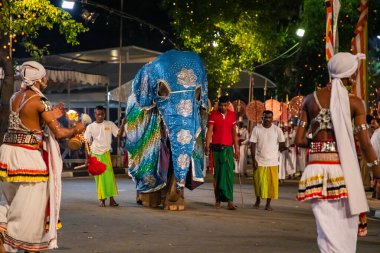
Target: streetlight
300 32
68 4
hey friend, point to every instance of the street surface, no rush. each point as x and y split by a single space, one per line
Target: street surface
289 228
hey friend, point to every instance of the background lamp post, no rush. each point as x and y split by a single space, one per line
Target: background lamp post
68 4
300 32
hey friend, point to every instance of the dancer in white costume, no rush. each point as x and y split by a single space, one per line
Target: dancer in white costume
332 178
31 166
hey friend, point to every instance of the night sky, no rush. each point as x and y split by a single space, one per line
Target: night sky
104 33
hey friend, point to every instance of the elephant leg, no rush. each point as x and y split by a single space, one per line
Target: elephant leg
152 199
174 199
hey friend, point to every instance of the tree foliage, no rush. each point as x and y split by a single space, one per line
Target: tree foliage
248 33
233 35
25 18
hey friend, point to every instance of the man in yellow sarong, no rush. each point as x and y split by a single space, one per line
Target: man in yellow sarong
266 140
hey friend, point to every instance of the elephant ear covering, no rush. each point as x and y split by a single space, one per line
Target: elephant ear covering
143 142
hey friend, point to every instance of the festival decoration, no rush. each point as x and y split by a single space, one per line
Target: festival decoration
274 106
284 117
295 106
254 111
239 107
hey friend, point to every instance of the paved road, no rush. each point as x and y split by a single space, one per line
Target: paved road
200 228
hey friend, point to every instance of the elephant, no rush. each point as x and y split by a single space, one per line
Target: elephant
166 117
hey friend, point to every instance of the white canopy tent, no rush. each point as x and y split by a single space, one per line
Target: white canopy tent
121 94
83 79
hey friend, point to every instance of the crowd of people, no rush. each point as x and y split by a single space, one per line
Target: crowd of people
337 161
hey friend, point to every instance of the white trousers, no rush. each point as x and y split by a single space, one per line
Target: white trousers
336 228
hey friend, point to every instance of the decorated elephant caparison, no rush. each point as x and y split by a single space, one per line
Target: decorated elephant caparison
166 116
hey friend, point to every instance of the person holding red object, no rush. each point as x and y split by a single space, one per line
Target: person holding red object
99 135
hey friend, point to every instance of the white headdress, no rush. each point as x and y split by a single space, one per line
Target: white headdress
343 65
31 72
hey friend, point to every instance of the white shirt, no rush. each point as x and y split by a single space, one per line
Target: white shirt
375 141
100 136
267 143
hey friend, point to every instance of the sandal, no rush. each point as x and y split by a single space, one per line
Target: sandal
113 203
102 203
2 249
231 206
268 208
362 229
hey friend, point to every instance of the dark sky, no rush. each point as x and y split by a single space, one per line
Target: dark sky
104 32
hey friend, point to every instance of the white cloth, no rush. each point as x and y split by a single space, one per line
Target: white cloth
17 158
30 72
243 136
336 228
343 65
287 165
24 213
282 166
291 154
375 140
55 166
267 144
100 136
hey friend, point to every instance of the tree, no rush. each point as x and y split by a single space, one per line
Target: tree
248 33
233 35
312 66
22 20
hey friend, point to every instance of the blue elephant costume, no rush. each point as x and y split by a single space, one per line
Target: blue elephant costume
166 118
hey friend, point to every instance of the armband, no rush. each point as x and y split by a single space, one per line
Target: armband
47 105
359 128
302 124
371 164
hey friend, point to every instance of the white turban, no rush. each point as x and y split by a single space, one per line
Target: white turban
343 65
31 71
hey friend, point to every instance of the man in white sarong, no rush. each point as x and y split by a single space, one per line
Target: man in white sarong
332 180
282 156
287 164
31 166
243 138
292 154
